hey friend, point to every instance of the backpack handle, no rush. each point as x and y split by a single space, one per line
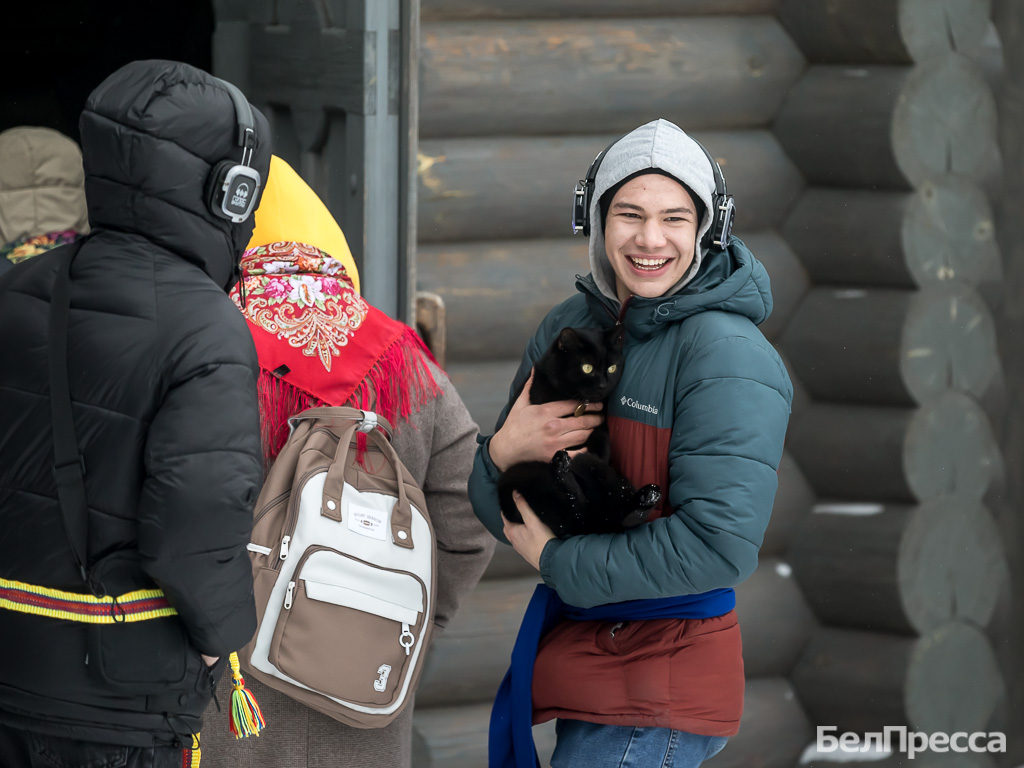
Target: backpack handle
367 420
334 483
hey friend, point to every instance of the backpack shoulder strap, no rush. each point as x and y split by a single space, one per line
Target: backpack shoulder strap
68 462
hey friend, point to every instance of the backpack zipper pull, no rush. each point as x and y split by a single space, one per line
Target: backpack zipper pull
407 639
284 547
288 596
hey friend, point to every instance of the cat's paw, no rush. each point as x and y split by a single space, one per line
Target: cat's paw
648 497
561 463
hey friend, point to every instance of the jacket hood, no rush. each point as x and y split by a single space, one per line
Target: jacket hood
41 184
730 280
151 133
290 211
659 145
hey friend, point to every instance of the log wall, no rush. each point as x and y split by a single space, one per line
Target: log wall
516 99
896 346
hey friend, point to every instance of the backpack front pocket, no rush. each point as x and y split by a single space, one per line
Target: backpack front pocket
347 628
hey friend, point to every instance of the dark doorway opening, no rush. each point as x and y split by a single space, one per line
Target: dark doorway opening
56 53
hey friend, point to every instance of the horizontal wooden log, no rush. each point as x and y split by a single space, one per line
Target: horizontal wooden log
456 737
466 662
946 680
490 78
877 453
774 730
484 388
892 347
496 293
788 279
890 127
900 568
801 400
521 187
885 31
775 619
793 502
469 10
944 230
508 564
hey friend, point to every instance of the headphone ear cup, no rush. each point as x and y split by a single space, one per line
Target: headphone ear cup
214 191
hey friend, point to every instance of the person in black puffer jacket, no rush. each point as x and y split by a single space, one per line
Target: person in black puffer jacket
162 373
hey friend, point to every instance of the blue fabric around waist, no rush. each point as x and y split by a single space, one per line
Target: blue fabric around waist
510 741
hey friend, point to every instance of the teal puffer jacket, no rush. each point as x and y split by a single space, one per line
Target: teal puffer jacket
701 409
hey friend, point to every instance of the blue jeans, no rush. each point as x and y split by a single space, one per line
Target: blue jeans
589 745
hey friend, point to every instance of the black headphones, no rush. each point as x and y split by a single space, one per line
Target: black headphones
232 188
723 207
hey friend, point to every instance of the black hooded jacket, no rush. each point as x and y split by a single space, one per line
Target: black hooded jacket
162 374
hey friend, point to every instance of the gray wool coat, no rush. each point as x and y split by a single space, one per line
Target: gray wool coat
437 445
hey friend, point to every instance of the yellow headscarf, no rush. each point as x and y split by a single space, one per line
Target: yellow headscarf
291 211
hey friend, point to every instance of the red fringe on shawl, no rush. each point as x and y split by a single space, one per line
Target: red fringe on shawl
396 385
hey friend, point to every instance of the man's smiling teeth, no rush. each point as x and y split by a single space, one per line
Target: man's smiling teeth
648 264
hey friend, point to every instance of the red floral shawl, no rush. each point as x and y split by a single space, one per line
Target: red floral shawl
320 343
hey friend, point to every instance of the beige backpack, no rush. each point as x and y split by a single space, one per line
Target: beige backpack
343 557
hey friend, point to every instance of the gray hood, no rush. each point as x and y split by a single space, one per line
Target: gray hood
666 147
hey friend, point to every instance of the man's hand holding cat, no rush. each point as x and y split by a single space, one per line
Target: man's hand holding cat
529 537
538 432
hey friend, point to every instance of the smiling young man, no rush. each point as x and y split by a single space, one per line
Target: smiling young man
701 410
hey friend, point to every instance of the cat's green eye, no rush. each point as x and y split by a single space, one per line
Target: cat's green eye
611 368
588 368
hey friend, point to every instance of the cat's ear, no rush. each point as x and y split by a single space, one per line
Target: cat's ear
617 337
568 339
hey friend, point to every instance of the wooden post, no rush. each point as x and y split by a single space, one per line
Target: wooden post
606 75
900 568
892 347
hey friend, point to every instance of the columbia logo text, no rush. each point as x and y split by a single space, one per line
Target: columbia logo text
909 742
639 406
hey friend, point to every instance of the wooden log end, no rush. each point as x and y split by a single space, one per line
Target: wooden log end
948 233
950 449
944 121
948 341
953 681
951 564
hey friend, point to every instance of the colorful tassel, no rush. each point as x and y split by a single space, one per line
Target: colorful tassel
246 717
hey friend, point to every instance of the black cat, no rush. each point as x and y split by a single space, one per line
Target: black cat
584 493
